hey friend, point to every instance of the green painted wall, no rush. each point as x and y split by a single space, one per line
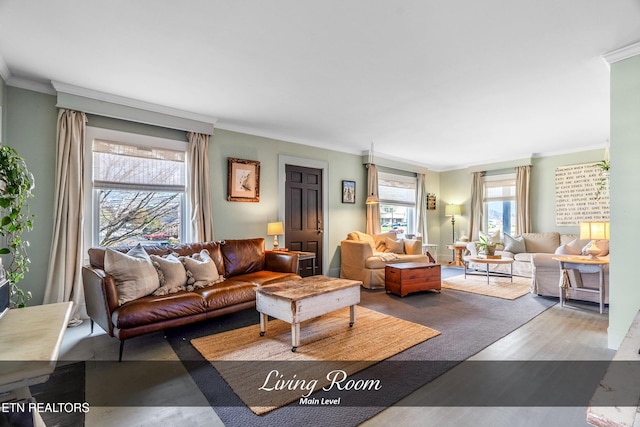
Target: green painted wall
624 296
31 130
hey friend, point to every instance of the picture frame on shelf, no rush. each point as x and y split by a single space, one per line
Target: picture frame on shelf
243 180
348 191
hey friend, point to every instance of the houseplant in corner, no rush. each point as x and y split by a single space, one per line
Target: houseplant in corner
16 184
486 246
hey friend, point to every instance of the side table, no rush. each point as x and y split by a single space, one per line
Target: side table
583 264
304 256
457 260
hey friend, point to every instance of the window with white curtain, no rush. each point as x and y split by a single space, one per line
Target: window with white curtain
139 191
499 202
398 195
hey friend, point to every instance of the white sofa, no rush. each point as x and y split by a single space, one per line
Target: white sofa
363 257
546 277
534 243
537 263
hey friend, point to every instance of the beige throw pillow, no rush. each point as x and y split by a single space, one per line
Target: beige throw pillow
413 246
201 270
133 272
395 246
171 272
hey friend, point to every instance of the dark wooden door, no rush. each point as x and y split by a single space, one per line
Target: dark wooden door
303 214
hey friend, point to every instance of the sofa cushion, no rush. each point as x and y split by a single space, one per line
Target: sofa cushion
227 293
514 244
394 246
264 277
243 256
171 272
542 242
134 273
151 309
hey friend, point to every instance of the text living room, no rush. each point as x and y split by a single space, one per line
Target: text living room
206 315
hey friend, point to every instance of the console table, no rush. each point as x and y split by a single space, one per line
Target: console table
583 264
31 338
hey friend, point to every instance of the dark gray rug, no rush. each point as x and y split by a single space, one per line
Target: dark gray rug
468 323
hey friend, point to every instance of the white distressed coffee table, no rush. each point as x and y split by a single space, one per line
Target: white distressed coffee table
295 301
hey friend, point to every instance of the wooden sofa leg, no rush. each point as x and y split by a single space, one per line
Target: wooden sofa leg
121 349
91 333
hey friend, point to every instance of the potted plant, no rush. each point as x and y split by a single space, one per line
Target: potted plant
486 246
16 184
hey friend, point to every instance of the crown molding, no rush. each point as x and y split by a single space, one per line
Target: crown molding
130 102
31 85
622 53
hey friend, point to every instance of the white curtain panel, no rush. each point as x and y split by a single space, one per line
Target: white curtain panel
199 188
422 208
373 211
475 217
523 206
64 282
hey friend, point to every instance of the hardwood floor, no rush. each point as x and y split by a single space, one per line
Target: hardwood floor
556 334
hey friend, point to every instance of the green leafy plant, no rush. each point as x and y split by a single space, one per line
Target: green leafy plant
16 185
487 246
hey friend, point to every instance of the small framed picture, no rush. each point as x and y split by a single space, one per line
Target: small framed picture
348 191
243 180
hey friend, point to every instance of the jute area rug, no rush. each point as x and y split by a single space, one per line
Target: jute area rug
500 287
327 338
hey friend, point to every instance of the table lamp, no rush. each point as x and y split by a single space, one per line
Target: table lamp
274 229
594 230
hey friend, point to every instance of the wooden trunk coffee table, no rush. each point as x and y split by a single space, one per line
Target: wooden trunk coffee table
404 278
295 301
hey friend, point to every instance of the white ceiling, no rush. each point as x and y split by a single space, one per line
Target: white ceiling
445 84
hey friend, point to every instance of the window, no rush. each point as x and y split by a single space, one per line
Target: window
500 204
397 194
139 191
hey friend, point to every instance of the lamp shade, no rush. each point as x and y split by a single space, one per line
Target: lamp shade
275 228
594 230
372 200
450 210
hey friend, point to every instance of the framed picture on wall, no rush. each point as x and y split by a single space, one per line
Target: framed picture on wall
348 191
243 180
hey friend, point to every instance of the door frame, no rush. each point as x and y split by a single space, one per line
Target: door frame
283 161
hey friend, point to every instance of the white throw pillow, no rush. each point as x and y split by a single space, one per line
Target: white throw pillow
200 267
133 272
172 274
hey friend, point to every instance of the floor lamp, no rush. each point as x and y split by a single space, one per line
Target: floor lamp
452 211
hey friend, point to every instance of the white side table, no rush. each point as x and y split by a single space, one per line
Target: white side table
583 264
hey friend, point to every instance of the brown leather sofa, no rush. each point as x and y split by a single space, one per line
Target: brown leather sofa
244 263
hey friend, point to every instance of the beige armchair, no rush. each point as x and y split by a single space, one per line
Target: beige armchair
364 257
